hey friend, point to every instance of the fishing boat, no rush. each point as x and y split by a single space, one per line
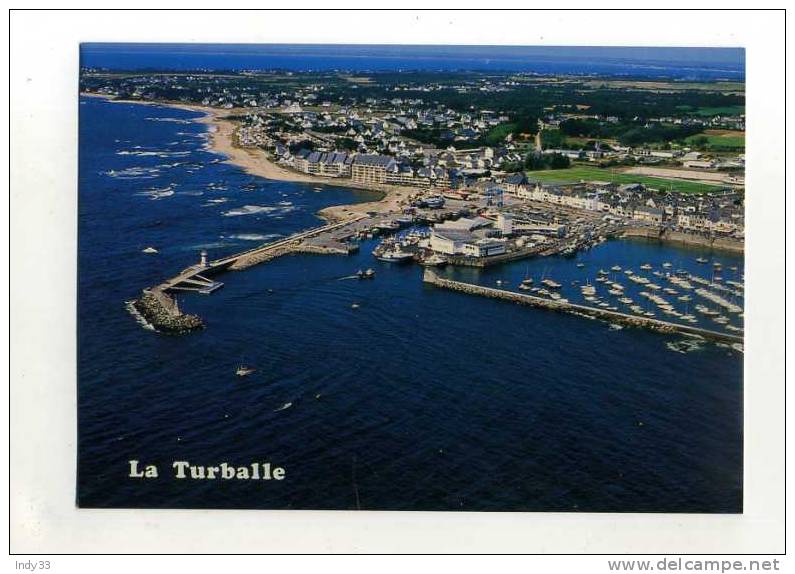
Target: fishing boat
395 255
244 371
434 260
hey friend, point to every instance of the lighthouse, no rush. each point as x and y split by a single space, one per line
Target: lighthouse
204 258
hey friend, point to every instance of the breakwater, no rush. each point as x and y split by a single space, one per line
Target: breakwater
161 311
431 277
687 239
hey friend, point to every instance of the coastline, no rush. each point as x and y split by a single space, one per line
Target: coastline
255 161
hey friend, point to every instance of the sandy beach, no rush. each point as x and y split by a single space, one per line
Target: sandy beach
256 162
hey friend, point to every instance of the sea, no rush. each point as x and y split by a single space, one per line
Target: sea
681 63
386 394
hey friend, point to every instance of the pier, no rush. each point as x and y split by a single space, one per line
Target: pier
158 306
432 277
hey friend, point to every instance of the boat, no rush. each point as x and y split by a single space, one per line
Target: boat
368 274
580 265
150 250
601 272
685 298
701 260
524 287
244 371
588 289
625 300
434 260
646 266
628 272
551 284
615 268
616 292
394 256
667 265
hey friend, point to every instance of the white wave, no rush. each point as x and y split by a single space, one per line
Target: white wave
133 173
170 120
255 236
143 153
158 192
275 211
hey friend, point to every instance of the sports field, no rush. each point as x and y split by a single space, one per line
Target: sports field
589 173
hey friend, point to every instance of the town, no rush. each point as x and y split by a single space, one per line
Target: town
659 155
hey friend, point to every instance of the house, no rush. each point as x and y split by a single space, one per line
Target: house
648 214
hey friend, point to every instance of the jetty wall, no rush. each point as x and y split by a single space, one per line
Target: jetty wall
162 312
432 277
689 239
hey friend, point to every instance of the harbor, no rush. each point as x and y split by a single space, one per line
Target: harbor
614 317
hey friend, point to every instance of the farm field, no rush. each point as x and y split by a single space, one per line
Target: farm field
590 173
722 139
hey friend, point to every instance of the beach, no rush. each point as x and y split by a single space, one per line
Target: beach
256 161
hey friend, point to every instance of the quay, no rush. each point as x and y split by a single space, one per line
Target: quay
432 278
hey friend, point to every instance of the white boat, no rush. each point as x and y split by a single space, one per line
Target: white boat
243 371
394 256
150 250
615 268
667 265
646 266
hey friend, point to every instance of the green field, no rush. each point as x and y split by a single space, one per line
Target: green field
588 173
722 140
724 111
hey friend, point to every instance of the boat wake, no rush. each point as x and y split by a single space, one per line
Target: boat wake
284 407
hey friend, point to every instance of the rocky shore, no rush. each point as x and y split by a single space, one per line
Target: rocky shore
161 311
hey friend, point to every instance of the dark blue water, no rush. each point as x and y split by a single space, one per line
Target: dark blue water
692 63
417 399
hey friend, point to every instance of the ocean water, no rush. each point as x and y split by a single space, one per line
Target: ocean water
663 62
419 399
